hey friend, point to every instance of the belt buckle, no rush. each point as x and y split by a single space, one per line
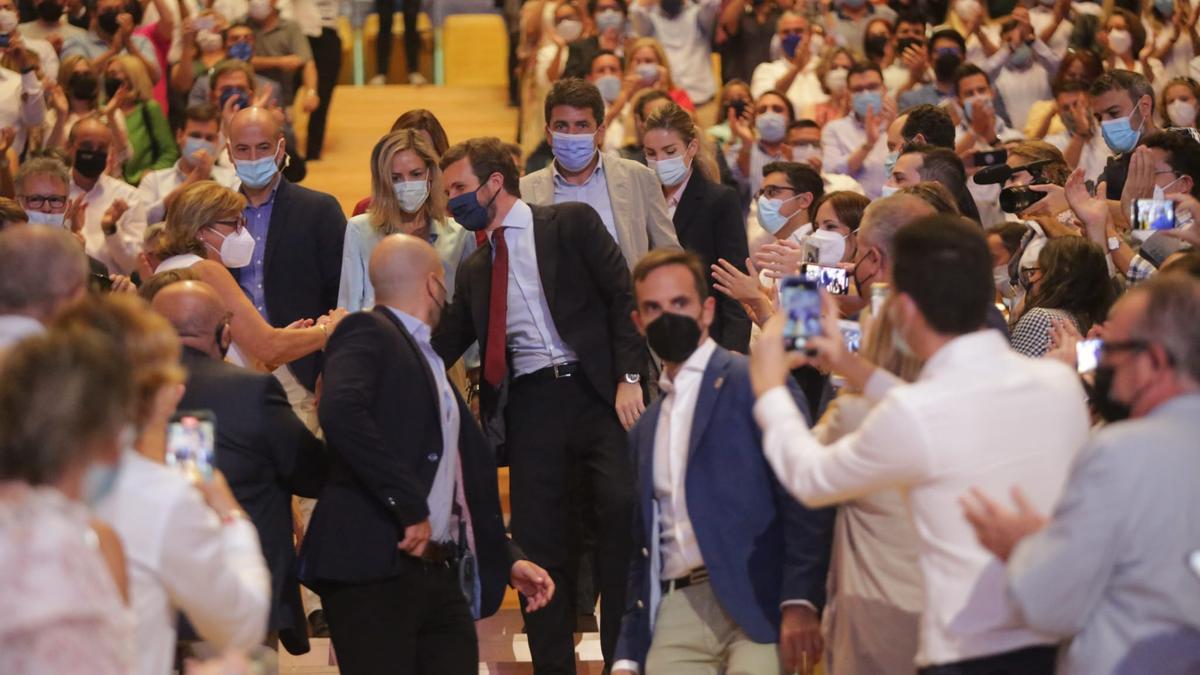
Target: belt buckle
557 374
698 576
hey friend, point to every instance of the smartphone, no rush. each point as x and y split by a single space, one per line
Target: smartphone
101 283
1153 214
993 157
1087 354
243 99
833 279
5 39
1017 198
738 106
191 442
801 300
903 44
851 334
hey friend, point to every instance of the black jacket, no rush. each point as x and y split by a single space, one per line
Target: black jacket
588 291
380 414
708 222
302 263
267 455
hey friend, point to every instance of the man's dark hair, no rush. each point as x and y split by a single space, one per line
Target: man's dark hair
911 17
800 176
804 124
945 167
1133 84
592 6
604 52
1010 235
487 155
967 70
864 67
574 92
424 120
665 257
931 122
1183 154
644 99
1071 86
948 34
203 113
1074 279
942 262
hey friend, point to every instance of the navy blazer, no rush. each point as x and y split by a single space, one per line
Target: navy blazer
379 410
760 546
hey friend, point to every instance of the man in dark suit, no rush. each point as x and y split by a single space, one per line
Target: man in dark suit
548 299
722 545
264 450
412 497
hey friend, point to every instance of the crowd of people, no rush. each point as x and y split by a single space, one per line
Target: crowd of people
869 347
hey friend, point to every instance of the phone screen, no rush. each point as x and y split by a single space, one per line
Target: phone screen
833 279
1153 214
851 334
1087 354
191 441
801 300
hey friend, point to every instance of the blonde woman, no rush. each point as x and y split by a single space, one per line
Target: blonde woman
407 198
205 232
129 91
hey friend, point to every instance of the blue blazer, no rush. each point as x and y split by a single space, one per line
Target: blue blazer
760 546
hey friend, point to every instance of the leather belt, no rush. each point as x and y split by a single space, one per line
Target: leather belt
440 553
551 373
696 576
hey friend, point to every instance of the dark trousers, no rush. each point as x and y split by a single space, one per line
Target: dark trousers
555 429
1037 660
327 53
416 623
412 40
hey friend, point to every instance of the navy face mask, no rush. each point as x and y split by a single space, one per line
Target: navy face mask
468 212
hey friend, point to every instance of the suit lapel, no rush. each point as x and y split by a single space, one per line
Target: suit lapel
279 216
689 204
420 356
710 391
545 243
617 180
645 457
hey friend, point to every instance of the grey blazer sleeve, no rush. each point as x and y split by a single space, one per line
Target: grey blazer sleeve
659 228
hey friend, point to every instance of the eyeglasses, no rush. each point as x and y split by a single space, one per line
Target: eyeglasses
773 191
235 223
38 201
1025 275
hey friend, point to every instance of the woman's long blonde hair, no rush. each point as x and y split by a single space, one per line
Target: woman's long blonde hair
384 212
673 118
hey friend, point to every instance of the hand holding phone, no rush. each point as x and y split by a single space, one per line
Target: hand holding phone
1153 214
191 443
834 280
1087 354
800 301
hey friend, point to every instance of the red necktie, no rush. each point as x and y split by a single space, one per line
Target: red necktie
494 363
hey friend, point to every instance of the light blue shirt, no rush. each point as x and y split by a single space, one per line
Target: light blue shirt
593 192
532 339
250 277
442 493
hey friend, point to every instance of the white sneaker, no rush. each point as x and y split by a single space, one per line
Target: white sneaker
417 79
378 80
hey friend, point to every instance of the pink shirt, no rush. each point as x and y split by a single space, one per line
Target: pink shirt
161 47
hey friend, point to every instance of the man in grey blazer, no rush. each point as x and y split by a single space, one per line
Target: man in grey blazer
1111 567
626 194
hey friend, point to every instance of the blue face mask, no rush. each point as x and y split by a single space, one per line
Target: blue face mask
789 44
671 171
772 126
256 173
610 19
609 86
769 216
1022 57
191 146
242 51
1165 7
1119 134
853 4
468 212
867 100
99 481
889 162
573 151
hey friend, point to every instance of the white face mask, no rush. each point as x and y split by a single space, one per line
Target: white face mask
48 219
835 80
830 245
1003 282
1182 113
208 41
803 153
968 10
1120 41
259 9
237 249
569 30
8 21
411 194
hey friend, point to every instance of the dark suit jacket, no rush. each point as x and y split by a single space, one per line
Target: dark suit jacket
267 455
302 264
379 410
587 289
760 546
708 222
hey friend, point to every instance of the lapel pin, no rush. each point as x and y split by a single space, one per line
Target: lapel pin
718 382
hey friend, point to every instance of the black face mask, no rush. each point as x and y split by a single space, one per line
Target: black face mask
83 86
673 336
671 8
875 46
90 163
945 65
111 85
1101 396
108 21
49 11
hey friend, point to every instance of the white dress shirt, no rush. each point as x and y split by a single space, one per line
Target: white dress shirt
181 558
843 137
805 93
532 337
156 185
672 435
22 104
1093 156
17 327
120 249
980 415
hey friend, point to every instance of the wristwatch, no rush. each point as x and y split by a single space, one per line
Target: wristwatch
633 378
1113 242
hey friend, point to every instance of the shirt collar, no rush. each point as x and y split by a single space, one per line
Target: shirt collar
981 345
560 180
519 217
696 363
416 327
271 199
678 194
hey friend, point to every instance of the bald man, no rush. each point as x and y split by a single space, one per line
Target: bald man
412 499
114 216
43 271
264 450
297 262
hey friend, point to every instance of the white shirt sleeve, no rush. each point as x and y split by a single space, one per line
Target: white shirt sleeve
33 102
888 450
126 242
835 157
766 74
216 574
